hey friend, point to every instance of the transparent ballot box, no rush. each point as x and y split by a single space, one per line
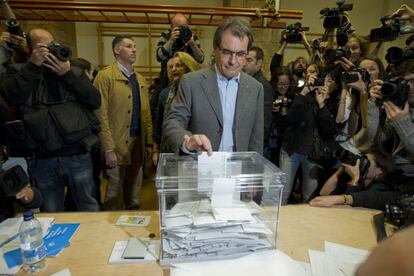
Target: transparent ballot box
218 207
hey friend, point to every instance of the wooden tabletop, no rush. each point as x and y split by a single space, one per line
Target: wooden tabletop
301 228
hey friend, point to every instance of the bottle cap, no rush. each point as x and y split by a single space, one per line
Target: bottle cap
28 215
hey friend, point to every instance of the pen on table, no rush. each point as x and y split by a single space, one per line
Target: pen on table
9 240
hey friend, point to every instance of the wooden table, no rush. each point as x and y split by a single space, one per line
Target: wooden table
301 227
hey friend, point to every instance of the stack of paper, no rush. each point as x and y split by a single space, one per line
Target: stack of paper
199 231
119 248
269 262
336 260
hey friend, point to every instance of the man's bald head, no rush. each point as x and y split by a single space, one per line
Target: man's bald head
39 35
178 20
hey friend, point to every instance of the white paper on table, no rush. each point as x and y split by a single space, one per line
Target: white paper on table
324 264
119 248
264 263
223 192
346 253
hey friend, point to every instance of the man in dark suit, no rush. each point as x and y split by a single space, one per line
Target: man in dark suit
219 108
253 67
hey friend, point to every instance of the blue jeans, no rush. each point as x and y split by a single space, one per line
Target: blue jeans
290 165
51 175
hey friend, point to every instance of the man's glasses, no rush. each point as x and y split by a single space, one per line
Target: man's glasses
227 53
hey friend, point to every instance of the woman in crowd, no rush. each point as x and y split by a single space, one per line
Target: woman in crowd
180 64
352 110
357 48
309 115
282 85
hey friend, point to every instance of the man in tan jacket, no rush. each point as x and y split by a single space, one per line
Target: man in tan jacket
126 136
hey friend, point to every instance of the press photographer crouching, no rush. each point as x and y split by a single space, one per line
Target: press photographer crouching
361 181
15 188
54 126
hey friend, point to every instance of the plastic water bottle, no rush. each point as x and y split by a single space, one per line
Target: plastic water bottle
31 243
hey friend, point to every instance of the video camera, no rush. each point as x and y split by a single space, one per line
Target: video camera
343 32
401 213
334 17
347 157
391 28
293 35
396 55
60 51
396 91
352 76
13 180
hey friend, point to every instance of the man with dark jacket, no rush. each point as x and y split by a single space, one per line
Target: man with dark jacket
53 127
253 67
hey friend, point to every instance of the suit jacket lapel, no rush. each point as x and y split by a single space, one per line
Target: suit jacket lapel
211 91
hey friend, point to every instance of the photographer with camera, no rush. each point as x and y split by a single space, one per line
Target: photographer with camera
390 118
352 111
294 34
310 117
53 127
14 191
178 38
361 181
284 94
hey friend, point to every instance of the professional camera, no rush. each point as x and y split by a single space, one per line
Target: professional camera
293 33
396 91
352 76
60 51
283 103
14 28
334 17
397 55
185 33
391 28
347 157
401 213
13 180
332 55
